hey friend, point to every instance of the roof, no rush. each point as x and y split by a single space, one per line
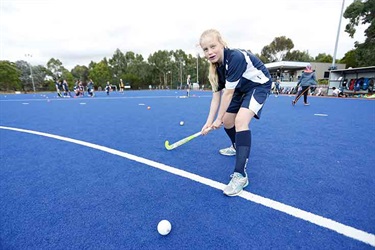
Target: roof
355 70
286 65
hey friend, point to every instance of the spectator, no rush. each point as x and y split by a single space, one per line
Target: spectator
320 92
335 92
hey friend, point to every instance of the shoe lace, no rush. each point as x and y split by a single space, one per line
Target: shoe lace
235 178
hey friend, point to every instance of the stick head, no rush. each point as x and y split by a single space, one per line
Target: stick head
167 146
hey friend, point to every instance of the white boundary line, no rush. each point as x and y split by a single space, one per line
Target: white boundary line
98 98
340 228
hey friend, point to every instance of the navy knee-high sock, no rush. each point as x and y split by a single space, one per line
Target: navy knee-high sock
243 145
231 132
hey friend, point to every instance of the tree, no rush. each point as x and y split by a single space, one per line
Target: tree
266 54
55 66
80 73
25 75
324 58
298 56
262 58
362 12
178 62
100 73
160 64
277 49
138 71
117 64
350 59
191 67
41 78
203 72
130 57
9 76
66 75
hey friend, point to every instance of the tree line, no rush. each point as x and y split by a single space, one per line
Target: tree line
170 68
162 68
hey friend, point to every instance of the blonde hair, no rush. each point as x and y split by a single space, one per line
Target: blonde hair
212 73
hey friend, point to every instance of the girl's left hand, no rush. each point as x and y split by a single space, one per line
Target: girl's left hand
217 124
205 128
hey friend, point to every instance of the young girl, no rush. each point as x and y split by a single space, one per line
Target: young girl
241 84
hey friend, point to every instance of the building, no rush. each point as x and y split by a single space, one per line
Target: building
289 72
353 81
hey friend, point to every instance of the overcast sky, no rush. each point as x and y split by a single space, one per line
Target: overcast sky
79 31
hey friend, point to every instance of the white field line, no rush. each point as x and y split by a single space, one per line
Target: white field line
95 98
338 227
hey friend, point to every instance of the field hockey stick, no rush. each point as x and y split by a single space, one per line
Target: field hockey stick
299 96
184 140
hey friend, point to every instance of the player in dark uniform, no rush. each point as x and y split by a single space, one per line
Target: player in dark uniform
59 87
81 89
66 89
77 89
241 84
90 88
108 88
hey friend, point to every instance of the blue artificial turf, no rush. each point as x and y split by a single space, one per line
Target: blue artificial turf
59 195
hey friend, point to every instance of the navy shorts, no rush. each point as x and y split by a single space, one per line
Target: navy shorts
252 96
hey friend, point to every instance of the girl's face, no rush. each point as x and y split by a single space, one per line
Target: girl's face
212 48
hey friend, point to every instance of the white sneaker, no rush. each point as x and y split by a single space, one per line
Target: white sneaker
231 151
236 184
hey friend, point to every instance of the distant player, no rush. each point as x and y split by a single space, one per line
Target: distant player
121 86
277 86
66 89
108 88
81 89
76 88
59 87
188 86
90 88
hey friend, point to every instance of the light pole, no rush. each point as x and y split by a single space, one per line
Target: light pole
337 37
31 71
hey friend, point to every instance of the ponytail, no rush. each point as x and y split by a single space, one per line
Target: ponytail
213 77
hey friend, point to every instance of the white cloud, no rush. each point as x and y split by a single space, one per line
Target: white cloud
80 31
